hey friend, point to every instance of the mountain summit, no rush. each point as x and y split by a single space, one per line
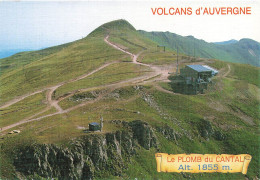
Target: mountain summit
227 42
117 25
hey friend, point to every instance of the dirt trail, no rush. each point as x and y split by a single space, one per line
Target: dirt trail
25 120
229 69
158 70
92 72
20 98
54 103
49 98
53 88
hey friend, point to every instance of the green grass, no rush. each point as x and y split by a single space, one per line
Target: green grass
165 85
49 111
238 143
131 41
81 97
218 64
126 44
158 57
22 59
110 74
23 109
246 73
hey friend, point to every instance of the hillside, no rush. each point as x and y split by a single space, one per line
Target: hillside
120 75
227 42
29 71
246 51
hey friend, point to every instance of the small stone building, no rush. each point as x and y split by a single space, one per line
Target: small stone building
94 126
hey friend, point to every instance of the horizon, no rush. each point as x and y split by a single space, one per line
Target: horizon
46 24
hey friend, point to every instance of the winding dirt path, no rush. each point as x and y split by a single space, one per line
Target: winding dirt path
162 71
20 98
229 69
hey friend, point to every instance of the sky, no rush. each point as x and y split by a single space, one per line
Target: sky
40 24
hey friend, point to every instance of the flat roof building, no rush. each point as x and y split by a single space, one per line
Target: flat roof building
94 126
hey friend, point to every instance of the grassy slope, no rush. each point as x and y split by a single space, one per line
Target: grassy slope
25 108
235 52
76 59
158 57
21 59
183 113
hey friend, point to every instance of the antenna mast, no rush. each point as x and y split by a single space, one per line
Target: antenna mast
101 122
177 61
194 48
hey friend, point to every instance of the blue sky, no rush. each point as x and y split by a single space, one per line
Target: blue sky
34 25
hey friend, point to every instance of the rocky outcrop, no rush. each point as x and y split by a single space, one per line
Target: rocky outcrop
86 157
144 134
206 131
168 133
